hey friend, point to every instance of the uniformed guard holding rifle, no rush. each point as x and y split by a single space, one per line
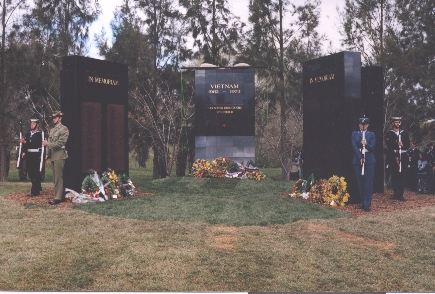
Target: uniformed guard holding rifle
363 145
397 143
58 155
31 150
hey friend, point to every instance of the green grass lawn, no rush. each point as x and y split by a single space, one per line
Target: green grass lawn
232 202
203 235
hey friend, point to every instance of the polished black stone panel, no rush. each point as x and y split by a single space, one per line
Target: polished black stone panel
225 102
372 92
103 85
332 98
225 113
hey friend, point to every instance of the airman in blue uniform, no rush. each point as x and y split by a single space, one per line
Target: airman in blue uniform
363 145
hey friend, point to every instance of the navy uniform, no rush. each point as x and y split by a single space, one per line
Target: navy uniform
398 157
58 155
363 159
32 149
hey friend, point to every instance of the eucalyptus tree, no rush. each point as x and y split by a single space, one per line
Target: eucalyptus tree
66 23
215 29
166 35
367 26
129 45
397 35
8 7
412 58
48 31
281 37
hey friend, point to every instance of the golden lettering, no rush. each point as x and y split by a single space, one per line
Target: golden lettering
324 78
98 80
224 86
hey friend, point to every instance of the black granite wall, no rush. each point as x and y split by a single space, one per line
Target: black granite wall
94 96
337 91
332 99
372 92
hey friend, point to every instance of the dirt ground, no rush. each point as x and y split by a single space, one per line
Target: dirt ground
381 202
46 195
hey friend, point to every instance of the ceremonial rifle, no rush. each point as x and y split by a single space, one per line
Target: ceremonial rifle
42 139
21 144
363 151
400 152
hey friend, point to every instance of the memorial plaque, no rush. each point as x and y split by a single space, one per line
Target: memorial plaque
225 113
115 137
94 96
91 138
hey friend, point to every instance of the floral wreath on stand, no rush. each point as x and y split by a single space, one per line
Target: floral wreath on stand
336 191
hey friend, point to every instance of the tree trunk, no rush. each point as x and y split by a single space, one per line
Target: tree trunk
3 173
283 117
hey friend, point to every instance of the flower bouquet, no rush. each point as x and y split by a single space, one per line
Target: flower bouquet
224 167
90 186
126 187
110 181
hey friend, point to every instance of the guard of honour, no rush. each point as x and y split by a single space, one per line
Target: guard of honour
35 148
363 144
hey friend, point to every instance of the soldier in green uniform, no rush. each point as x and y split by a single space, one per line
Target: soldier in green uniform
57 154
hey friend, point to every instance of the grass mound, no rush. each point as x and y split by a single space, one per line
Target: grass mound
232 202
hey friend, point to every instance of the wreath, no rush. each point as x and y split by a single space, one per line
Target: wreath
317 191
335 192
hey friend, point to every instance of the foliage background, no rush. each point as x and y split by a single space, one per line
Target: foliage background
156 38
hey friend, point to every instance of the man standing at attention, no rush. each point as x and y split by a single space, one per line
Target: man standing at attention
32 150
363 145
57 154
397 141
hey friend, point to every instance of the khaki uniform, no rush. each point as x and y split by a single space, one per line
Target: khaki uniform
57 153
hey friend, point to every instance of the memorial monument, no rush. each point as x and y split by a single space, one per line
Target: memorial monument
225 113
336 92
94 97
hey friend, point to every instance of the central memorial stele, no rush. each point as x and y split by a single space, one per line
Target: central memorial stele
225 113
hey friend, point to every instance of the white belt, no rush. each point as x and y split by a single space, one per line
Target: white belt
401 151
34 150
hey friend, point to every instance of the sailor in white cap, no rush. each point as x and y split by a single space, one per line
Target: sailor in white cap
31 150
397 143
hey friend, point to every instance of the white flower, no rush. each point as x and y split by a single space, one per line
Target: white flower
305 195
332 202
